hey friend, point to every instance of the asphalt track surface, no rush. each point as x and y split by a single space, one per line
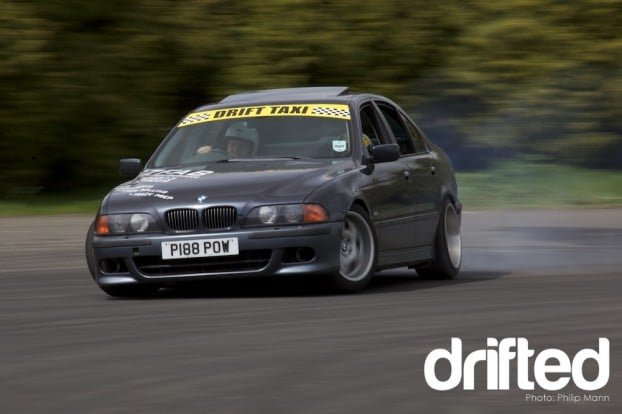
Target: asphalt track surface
287 346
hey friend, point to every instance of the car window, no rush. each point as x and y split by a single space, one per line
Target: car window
186 142
369 127
415 134
401 134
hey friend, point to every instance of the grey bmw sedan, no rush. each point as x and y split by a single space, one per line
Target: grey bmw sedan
301 181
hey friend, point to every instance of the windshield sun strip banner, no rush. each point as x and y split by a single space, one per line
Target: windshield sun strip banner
337 111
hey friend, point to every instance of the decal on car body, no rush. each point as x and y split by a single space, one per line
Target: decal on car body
144 191
337 111
168 175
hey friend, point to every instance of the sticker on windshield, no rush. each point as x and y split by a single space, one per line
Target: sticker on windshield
323 110
340 146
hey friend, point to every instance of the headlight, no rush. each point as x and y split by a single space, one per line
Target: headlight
267 214
125 223
286 214
293 213
139 222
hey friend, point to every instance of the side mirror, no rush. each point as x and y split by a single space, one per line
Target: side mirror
385 153
130 167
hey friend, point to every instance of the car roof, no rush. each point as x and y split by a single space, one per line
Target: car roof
290 95
307 93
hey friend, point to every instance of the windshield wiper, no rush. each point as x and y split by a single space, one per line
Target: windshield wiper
269 158
225 160
255 159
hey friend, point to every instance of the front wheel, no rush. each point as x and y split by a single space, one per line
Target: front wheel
88 251
357 252
447 246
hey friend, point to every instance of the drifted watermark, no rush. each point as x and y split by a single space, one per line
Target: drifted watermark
511 363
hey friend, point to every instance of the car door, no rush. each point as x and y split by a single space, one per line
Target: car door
389 192
421 165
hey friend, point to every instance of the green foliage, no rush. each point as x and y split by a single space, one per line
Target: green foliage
86 83
535 183
533 76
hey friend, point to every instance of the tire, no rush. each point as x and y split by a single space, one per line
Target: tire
88 251
357 252
130 291
447 246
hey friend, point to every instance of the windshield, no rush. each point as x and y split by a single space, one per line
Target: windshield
259 132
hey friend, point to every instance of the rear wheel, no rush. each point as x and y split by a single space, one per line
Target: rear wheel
357 252
447 246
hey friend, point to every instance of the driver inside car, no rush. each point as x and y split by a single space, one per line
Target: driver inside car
238 147
238 143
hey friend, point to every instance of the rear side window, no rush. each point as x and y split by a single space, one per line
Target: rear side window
415 134
401 134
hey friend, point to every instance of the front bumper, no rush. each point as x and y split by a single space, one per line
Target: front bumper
288 250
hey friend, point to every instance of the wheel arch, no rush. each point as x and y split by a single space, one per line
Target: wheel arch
362 204
447 192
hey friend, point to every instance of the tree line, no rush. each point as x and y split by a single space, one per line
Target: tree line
86 83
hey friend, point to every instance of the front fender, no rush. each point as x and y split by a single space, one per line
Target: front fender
338 194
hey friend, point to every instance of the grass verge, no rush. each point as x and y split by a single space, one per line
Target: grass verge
51 205
533 184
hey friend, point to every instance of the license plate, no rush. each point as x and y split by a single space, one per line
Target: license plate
200 248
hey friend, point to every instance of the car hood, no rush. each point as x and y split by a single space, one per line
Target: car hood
233 182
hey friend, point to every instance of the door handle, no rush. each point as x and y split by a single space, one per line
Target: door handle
406 175
433 170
